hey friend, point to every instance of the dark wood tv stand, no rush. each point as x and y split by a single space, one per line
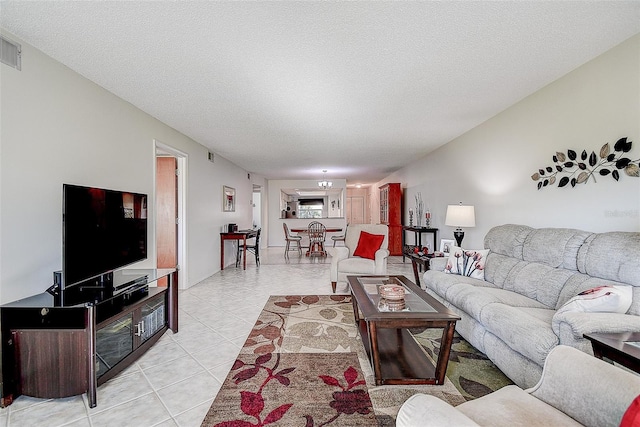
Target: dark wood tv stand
69 343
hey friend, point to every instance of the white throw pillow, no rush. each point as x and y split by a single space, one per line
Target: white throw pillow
467 262
607 299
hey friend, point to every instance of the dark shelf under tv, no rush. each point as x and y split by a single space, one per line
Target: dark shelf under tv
64 344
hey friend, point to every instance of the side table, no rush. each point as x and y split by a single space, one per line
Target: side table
422 260
616 347
417 232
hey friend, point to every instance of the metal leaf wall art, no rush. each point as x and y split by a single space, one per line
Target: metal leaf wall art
572 169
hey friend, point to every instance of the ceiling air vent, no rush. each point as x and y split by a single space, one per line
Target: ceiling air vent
10 53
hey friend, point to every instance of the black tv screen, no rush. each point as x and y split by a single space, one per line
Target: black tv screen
102 230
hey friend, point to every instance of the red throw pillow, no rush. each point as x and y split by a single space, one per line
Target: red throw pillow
631 418
368 244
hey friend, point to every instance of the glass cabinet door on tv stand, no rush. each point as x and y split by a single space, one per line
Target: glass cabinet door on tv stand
54 351
114 342
118 338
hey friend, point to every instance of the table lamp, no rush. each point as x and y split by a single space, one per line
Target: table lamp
460 216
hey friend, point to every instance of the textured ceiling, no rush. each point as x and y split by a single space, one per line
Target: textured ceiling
287 89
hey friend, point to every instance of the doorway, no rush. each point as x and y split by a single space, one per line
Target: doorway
355 210
256 201
170 211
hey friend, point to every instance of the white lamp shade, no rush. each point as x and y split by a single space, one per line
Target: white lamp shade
460 216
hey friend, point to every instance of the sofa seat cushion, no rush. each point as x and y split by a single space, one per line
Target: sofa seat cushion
513 298
439 281
515 408
357 265
472 299
526 330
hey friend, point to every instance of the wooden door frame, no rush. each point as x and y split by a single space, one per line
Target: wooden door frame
181 159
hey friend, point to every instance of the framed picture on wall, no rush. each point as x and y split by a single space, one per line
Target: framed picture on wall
446 245
228 199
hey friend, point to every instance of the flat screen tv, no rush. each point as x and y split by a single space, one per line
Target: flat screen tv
102 231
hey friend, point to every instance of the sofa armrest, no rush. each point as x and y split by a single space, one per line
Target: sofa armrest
423 410
340 252
591 391
438 263
381 261
580 323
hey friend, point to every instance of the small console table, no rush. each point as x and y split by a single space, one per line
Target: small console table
67 342
417 232
422 260
236 235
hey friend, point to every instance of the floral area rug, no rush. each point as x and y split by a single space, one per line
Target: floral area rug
293 389
304 364
472 373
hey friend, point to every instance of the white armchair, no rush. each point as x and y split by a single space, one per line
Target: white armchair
344 264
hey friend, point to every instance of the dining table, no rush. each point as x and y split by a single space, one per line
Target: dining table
306 230
236 235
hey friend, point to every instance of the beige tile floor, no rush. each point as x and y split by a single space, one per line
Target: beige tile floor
175 382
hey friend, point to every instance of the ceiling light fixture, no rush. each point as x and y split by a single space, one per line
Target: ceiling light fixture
324 184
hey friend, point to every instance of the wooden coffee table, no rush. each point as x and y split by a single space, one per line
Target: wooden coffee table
617 347
394 354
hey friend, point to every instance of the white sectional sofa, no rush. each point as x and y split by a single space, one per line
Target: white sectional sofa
512 315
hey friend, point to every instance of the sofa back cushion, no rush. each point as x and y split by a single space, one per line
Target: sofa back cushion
535 280
507 240
612 256
553 265
555 247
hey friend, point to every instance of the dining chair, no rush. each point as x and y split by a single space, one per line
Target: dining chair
291 238
340 238
253 248
317 235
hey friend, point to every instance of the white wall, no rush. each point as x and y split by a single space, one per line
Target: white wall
58 127
491 166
